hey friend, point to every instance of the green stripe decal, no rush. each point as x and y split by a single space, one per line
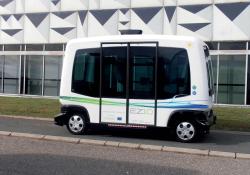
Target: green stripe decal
91 101
173 105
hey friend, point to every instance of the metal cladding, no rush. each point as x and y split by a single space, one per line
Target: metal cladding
58 21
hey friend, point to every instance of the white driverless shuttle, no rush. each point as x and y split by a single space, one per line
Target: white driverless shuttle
138 81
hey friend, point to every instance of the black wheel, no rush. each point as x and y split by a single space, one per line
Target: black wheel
186 131
77 124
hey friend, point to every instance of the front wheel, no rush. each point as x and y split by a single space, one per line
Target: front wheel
77 124
186 131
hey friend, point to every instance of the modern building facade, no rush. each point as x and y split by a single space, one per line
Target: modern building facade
33 35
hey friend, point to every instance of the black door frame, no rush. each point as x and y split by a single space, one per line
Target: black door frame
128 45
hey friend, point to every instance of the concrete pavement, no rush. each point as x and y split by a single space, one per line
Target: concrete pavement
235 142
25 156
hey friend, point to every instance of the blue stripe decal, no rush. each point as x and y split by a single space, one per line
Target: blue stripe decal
174 105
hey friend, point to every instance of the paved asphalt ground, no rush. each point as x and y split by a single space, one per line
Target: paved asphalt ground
216 140
21 156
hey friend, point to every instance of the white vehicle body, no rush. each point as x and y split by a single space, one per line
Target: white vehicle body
195 79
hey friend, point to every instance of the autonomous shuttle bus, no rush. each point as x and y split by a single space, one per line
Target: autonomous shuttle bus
138 81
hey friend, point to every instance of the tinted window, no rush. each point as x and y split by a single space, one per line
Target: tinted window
232 45
11 74
34 74
52 75
173 73
12 47
34 47
142 72
54 47
231 88
86 72
114 72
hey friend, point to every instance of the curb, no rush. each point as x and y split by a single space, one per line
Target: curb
222 154
186 151
208 153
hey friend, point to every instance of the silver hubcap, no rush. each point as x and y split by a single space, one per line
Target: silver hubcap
185 131
76 123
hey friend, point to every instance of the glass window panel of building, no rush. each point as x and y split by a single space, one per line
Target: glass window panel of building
12 47
231 88
33 75
233 45
34 47
248 81
11 74
54 47
52 75
1 73
214 59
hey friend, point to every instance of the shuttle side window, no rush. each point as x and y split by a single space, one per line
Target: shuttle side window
114 72
142 68
173 73
86 72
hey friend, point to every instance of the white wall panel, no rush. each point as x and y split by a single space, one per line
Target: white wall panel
107 4
94 4
192 2
243 22
146 3
206 19
20 6
37 6
15 39
56 6
185 16
33 34
94 27
67 5
225 29
229 1
170 2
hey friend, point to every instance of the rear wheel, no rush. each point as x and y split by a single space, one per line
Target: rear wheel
77 124
186 131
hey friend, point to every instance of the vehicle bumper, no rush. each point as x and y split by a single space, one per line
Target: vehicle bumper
60 119
208 121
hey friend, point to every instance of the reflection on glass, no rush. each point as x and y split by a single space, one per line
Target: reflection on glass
34 47
142 72
231 79
173 73
11 74
54 47
1 74
86 75
114 72
34 74
248 80
214 66
232 45
53 68
12 47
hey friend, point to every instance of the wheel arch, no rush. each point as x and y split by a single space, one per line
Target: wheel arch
68 110
181 115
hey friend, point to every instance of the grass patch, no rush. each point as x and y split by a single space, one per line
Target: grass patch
232 118
228 118
35 107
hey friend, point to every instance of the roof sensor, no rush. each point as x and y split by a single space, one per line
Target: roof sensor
131 32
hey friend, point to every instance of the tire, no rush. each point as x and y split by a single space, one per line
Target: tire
186 131
77 124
